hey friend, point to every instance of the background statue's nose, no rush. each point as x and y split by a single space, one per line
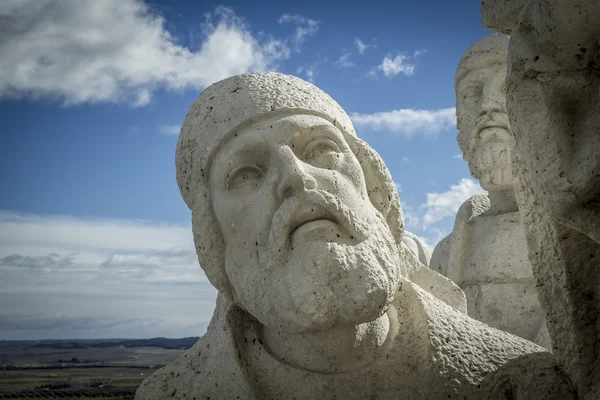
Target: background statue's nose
293 177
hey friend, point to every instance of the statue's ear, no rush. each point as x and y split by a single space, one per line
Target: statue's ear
210 246
380 186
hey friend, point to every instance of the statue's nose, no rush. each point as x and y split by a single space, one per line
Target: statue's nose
293 176
492 97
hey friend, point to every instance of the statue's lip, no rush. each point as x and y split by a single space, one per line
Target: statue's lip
490 124
481 139
309 215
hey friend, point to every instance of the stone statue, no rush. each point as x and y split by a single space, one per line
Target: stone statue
297 223
418 247
486 253
553 90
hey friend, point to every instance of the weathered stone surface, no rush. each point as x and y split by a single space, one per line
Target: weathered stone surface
486 253
318 296
501 15
553 89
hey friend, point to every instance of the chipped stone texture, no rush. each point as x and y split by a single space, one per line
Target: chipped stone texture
501 15
486 253
553 90
318 296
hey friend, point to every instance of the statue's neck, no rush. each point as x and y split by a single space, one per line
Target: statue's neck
336 350
502 201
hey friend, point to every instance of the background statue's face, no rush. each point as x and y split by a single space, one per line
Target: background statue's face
483 125
305 248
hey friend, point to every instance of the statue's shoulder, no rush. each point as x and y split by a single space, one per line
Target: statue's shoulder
441 255
469 210
212 368
472 208
486 361
177 378
417 246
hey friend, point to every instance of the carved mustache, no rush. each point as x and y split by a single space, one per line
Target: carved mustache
490 120
311 205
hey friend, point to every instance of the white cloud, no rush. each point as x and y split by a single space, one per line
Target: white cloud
433 219
304 26
344 61
119 51
309 72
442 205
407 121
394 66
398 186
458 156
411 217
432 236
141 275
68 233
405 160
170 129
399 64
133 130
361 47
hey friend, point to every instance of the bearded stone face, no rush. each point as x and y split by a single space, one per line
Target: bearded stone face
305 247
482 118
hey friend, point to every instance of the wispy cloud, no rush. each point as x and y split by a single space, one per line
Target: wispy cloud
398 64
360 46
309 72
344 61
120 51
442 205
429 218
458 156
142 275
407 122
170 129
304 26
133 130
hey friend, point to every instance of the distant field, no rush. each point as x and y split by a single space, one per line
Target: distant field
30 371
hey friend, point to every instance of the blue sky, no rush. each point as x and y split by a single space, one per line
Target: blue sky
95 240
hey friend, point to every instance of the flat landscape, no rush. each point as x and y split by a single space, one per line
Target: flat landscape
108 369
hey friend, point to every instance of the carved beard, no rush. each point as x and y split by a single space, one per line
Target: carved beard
323 284
492 165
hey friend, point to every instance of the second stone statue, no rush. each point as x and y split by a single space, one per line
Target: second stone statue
486 254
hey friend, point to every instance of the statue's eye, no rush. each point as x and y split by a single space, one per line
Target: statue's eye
319 147
244 176
471 92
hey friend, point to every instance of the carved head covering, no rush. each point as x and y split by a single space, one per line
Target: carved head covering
229 106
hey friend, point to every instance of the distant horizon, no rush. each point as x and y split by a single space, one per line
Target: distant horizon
95 340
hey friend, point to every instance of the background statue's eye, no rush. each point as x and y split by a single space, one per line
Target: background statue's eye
471 91
246 175
319 147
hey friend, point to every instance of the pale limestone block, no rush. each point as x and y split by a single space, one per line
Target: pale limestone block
553 89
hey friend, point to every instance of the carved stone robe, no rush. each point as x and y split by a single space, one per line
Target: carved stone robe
433 351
